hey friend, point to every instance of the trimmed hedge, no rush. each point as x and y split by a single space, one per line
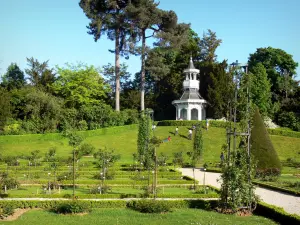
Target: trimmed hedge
292 192
262 148
54 203
287 133
212 123
222 124
276 213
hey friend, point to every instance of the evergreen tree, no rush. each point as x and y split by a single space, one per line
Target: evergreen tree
40 76
143 142
108 17
220 92
145 16
5 111
261 89
208 45
262 148
13 78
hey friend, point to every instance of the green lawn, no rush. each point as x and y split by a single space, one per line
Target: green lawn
123 140
129 217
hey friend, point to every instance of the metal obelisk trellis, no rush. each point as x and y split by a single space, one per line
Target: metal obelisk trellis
232 131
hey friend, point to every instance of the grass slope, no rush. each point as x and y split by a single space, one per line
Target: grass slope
123 140
126 216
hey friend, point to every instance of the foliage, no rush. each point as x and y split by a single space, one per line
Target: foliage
282 132
261 146
178 159
108 17
276 213
6 211
289 119
208 45
220 90
145 154
7 181
13 78
5 108
71 208
276 62
261 89
80 85
212 123
40 75
86 149
149 206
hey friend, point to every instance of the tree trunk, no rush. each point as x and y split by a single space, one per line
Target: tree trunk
143 70
117 69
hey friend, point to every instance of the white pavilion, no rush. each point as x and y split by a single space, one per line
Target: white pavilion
191 106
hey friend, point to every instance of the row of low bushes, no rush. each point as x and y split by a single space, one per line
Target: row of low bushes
281 189
212 123
276 213
147 205
282 132
223 124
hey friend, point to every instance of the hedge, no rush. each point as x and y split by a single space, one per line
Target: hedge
212 123
201 204
280 132
222 124
281 189
276 213
53 203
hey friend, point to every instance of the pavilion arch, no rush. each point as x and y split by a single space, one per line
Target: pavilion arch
194 114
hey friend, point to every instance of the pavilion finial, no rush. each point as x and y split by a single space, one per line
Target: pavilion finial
191 64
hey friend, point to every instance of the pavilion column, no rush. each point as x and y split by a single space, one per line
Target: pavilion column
200 112
188 112
178 113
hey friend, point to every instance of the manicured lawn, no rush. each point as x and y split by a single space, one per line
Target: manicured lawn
123 141
129 217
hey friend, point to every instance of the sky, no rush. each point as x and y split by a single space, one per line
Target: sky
55 30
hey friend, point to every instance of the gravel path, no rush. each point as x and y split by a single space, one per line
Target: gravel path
289 203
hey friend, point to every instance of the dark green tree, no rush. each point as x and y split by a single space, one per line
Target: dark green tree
146 17
42 111
110 78
13 78
145 154
5 107
40 75
220 91
261 89
108 17
278 64
208 46
262 148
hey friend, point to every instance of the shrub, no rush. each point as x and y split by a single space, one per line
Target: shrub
6 211
97 189
149 206
72 207
262 148
284 132
276 213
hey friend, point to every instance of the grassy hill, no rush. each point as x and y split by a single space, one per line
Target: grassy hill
123 140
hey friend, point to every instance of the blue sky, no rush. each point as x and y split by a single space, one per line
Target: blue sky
55 30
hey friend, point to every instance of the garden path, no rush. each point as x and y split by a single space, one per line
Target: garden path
289 203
